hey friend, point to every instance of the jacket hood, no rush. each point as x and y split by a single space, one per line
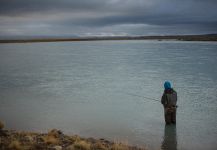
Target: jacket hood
167 85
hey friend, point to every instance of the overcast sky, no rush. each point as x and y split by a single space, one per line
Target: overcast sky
107 17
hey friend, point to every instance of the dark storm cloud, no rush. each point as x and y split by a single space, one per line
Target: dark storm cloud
79 16
19 7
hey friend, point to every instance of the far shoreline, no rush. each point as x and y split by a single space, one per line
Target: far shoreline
205 37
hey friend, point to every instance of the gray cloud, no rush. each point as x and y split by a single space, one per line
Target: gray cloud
82 17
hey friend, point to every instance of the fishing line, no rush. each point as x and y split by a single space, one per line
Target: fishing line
152 99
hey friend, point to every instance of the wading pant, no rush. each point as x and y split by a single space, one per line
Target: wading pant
170 115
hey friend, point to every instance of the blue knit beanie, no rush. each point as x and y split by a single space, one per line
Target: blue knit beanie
167 85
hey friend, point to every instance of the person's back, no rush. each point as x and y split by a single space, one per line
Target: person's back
169 100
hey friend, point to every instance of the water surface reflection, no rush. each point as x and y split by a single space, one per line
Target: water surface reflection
169 140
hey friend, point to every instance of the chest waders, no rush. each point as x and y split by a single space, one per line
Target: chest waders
169 111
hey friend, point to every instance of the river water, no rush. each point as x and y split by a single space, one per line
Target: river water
96 89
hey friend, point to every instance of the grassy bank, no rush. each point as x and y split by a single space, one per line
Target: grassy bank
54 140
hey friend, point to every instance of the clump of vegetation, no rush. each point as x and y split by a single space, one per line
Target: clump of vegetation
75 138
55 133
82 145
99 146
15 145
1 125
49 139
55 140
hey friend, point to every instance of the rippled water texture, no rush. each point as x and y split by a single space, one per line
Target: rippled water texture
96 88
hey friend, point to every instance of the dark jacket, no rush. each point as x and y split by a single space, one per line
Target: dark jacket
169 98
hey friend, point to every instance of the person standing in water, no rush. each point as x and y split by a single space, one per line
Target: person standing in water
169 100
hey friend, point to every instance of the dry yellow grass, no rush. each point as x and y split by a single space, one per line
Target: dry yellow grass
82 145
15 145
54 132
74 139
50 139
99 146
70 147
1 125
57 140
119 146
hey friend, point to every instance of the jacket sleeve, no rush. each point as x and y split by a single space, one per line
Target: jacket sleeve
175 97
163 99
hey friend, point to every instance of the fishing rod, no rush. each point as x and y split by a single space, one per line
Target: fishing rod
148 98
143 97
